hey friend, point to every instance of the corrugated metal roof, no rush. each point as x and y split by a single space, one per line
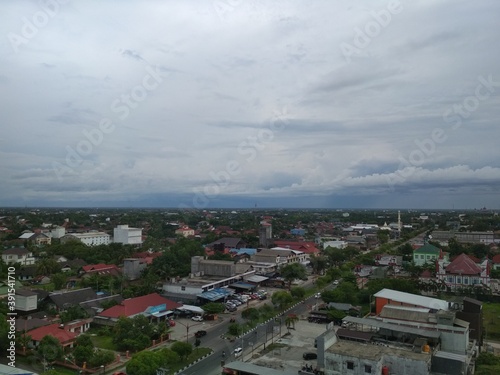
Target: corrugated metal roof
413 299
393 327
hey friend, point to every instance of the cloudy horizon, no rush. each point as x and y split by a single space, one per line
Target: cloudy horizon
231 103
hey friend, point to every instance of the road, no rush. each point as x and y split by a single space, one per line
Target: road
250 343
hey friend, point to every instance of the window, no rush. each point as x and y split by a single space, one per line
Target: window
466 281
450 279
368 369
183 287
428 257
422 256
459 280
350 365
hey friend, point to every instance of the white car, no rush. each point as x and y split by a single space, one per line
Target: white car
336 282
317 295
197 318
237 352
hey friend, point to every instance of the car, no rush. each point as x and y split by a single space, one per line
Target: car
232 309
336 282
200 333
237 352
309 355
197 318
317 295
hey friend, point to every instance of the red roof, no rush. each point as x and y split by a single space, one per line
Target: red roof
463 265
101 268
496 259
55 330
304 246
134 306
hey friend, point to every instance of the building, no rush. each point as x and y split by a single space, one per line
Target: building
265 233
37 239
127 236
337 244
63 300
18 255
464 272
89 238
428 254
464 237
307 247
65 337
26 300
100 269
133 267
410 334
185 231
280 256
153 306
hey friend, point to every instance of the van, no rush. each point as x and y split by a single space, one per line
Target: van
237 352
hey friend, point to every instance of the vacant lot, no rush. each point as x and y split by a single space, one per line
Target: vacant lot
491 319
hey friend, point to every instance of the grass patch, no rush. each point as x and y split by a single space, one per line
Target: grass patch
103 342
491 320
197 353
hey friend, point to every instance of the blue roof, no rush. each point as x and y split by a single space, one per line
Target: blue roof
215 294
244 250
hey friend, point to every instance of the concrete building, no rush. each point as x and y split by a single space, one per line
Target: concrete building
265 233
26 300
133 267
464 237
420 336
89 238
127 236
428 254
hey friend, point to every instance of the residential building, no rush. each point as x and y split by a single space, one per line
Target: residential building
153 306
127 236
56 330
63 300
464 272
37 239
337 244
18 255
307 247
88 238
185 231
428 254
100 269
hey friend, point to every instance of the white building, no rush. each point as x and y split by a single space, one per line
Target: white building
127 236
89 239
335 244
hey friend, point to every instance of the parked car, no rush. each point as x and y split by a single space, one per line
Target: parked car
197 318
317 295
232 309
200 333
307 356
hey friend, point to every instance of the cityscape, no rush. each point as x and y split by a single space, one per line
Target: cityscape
147 291
214 187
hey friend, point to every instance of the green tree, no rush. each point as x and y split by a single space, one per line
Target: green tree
47 266
250 314
82 354
214 308
293 271
281 299
290 321
101 357
319 263
49 349
183 349
344 293
73 313
59 280
144 363
298 292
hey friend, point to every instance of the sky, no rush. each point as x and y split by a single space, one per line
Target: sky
232 103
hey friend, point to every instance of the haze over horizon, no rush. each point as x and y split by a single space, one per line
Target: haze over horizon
232 104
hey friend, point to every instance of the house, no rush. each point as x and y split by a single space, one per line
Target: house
388 260
100 269
65 337
428 254
18 255
133 267
73 264
62 300
184 231
27 273
38 239
151 305
226 243
464 272
496 262
279 256
26 300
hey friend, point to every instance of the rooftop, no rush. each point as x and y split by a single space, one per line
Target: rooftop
412 299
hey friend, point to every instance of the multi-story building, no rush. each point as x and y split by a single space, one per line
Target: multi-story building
18 255
127 236
265 233
89 238
464 272
428 254
185 231
410 335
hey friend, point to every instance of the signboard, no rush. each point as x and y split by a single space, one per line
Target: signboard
157 308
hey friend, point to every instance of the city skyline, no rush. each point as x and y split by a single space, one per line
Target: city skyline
232 104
